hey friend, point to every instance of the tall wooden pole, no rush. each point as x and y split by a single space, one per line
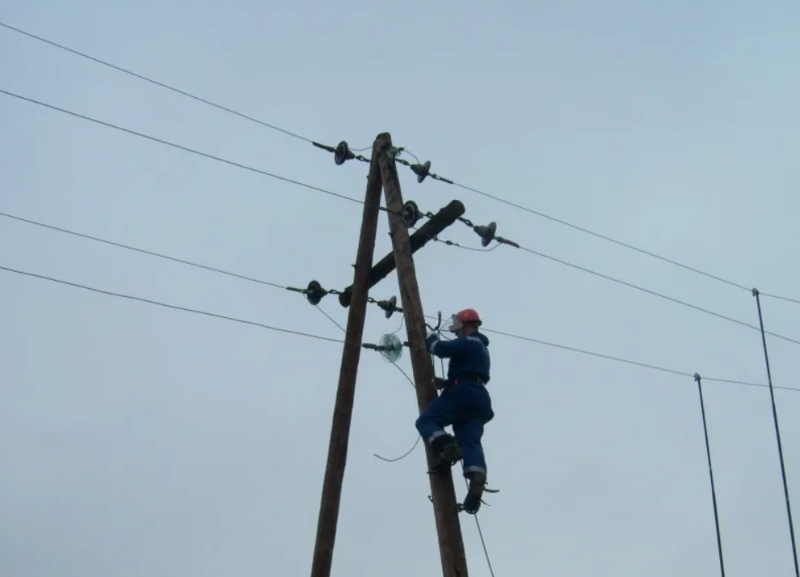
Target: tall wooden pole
451 545
345 395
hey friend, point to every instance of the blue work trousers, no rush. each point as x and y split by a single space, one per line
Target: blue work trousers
466 406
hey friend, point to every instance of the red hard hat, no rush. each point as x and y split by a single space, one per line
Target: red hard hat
469 316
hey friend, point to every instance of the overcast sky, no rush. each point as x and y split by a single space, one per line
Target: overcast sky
138 441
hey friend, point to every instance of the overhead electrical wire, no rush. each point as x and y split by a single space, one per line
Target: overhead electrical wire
447 181
357 201
152 81
182 147
140 250
657 294
280 286
625 283
169 306
276 285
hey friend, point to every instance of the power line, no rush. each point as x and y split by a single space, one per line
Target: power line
434 176
276 285
796 301
184 148
654 293
169 306
140 250
318 189
601 236
626 361
488 236
152 81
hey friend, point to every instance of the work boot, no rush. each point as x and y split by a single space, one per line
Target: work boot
477 482
446 452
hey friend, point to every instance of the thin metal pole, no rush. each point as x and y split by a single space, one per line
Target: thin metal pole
698 380
777 432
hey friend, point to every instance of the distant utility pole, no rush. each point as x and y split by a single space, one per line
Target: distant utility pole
451 545
343 409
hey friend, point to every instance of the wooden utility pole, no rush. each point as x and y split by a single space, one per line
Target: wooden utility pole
451 545
345 395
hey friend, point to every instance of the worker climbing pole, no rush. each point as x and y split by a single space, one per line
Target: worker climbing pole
464 403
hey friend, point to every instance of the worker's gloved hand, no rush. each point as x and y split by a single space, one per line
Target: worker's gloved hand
439 383
432 338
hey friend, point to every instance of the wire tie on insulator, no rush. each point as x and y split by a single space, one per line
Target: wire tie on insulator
394 152
324 147
389 307
441 178
422 170
486 233
502 240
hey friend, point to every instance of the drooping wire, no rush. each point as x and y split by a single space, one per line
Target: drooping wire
185 148
414 446
330 318
401 457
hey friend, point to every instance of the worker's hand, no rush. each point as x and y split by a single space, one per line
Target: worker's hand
430 340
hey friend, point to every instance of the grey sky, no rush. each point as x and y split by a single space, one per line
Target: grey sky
137 441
